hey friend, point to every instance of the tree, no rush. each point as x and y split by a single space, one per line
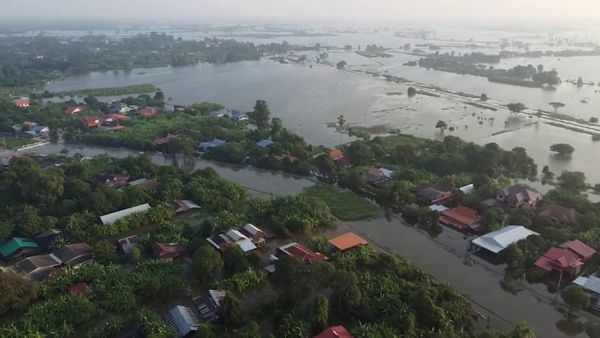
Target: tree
341 65
572 181
320 312
261 115
575 298
206 264
540 68
556 105
562 149
234 314
234 260
441 125
341 121
135 255
484 97
359 153
16 292
411 91
516 107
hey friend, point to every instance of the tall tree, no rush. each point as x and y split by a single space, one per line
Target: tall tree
261 115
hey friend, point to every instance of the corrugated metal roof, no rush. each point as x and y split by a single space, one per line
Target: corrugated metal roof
499 240
115 216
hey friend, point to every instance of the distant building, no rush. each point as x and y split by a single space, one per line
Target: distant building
264 143
90 121
22 102
115 216
558 214
73 110
378 175
240 117
219 113
164 140
434 194
518 197
181 206
214 143
183 320
147 112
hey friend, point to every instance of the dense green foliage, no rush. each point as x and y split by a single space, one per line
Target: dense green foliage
345 205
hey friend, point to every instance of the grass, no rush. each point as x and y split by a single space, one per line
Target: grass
13 143
127 90
344 204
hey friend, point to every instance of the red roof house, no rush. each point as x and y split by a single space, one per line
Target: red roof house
22 102
167 250
117 117
335 332
338 157
73 110
581 249
297 250
460 217
90 121
147 112
569 256
164 140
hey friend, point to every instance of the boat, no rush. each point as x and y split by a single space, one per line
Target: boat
585 100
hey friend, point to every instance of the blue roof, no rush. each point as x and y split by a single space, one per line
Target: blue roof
239 116
219 113
212 144
38 128
138 181
264 143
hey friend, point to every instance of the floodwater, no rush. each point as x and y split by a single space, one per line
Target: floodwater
260 183
478 282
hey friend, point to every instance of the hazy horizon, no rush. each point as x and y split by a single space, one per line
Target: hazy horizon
547 11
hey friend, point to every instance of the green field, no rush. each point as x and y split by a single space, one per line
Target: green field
127 90
344 204
13 143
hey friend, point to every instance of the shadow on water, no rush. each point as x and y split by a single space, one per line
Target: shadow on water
570 327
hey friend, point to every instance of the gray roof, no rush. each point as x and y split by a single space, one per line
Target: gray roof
183 320
591 283
115 216
499 240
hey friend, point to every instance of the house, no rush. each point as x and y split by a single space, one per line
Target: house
339 158
109 179
264 143
568 257
439 208
558 214
296 250
209 305
115 216
440 193
240 117
147 112
378 175
116 117
90 121
232 237
164 140
128 243
73 110
215 143
286 158
22 102
460 217
219 113
183 320
347 241
497 241
18 248
111 125
517 197
145 184
591 285
180 206
40 267
256 235
38 130
74 255
467 189
46 240
167 250
37 268
335 332
119 107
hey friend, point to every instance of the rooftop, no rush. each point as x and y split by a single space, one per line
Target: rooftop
499 240
115 216
335 332
580 248
16 243
347 241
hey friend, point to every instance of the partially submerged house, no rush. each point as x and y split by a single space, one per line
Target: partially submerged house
39 267
73 110
558 214
378 175
518 196
74 255
147 112
18 248
338 157
90 121
347 241
183 320
209 305
440 193
219 113
568 257
240 117
497 241
214 143
22 102
461 218
128 243
264 143
164 140
591 285
115 216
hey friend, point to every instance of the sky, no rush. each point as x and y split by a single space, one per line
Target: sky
334 10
